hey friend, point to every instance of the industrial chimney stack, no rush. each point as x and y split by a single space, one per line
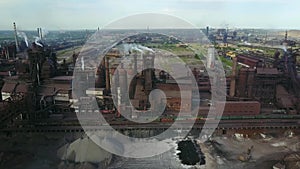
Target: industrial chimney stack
16 37
40 34
207 31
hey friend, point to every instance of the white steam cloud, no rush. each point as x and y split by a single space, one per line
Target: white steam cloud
44 32
130 47
23 35
284 48
36 41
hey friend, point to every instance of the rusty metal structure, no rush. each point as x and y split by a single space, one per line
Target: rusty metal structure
47 94
271 86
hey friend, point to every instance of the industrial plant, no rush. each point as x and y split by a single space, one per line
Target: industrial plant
262 87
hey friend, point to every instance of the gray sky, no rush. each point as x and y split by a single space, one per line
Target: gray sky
90 14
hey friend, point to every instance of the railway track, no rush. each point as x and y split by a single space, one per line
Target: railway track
224 124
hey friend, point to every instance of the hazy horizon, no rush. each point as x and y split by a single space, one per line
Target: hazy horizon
91 14
95 29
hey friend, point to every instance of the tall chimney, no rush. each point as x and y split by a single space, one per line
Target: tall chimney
41 34
207 31
233 76
286 36
16 37
38 32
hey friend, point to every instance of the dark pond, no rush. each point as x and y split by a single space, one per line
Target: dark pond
190 153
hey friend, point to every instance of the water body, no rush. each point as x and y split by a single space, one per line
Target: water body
190 153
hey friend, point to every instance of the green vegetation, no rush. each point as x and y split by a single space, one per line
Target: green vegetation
199 56
174 49
199 50
226 62
266 51
190 54
246 49
67 54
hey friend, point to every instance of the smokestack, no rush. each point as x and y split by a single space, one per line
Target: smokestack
38 73
286 36
41 34
38 31
207 31
16 37
233 76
